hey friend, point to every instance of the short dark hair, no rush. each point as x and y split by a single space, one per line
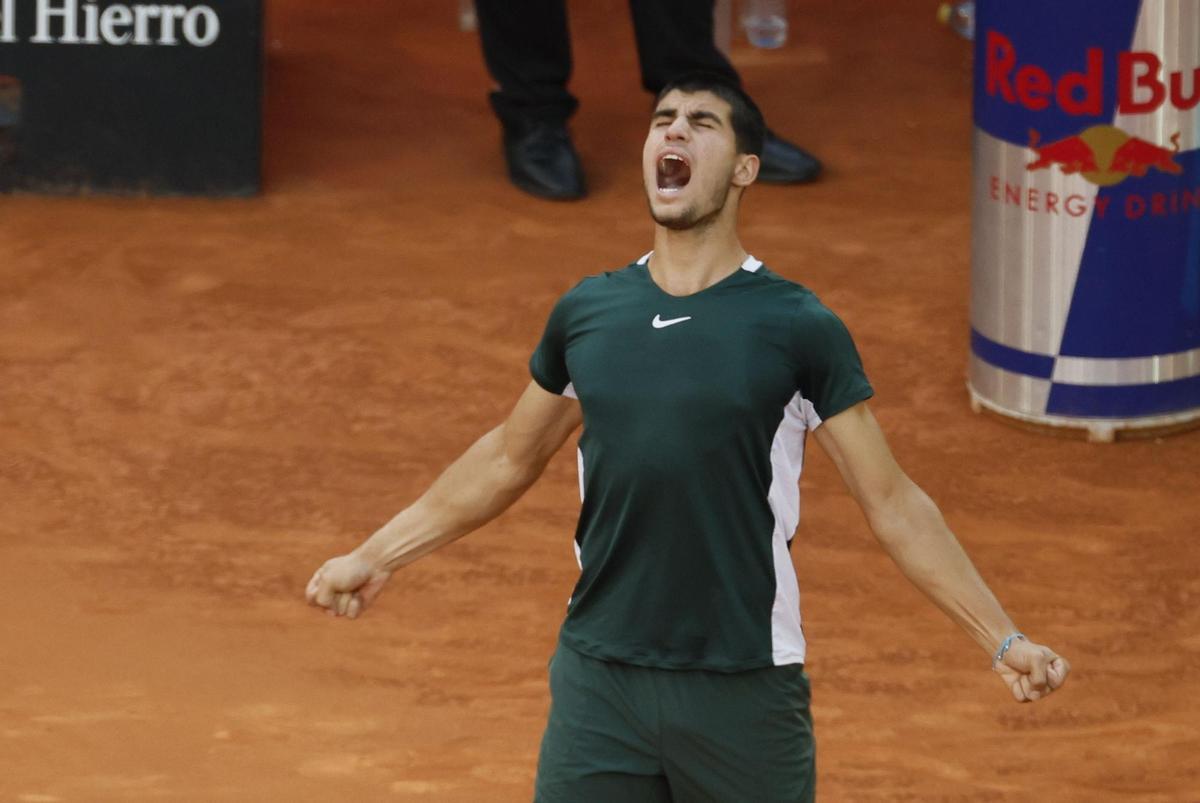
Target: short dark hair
749 129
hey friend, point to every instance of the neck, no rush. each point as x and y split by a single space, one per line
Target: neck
686 261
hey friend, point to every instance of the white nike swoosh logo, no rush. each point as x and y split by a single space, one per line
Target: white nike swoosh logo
659 323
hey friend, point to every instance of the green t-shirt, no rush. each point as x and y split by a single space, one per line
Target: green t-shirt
695 411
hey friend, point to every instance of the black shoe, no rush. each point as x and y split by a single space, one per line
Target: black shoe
543 162
785 163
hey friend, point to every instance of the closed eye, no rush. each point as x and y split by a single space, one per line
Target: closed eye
699 119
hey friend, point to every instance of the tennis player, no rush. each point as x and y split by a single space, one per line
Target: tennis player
697 373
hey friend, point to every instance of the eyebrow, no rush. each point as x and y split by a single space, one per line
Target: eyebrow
692 116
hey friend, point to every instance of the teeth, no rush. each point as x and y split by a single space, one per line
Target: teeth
674 171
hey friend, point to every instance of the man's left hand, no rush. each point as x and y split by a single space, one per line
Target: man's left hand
1032 671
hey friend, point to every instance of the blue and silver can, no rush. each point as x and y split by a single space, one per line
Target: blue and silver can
1085 283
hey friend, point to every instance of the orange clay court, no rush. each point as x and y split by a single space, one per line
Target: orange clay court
201 401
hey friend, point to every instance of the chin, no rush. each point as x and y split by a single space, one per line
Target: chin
673 217
669 212
677 221
679 214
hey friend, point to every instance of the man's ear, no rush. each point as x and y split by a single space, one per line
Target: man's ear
745 169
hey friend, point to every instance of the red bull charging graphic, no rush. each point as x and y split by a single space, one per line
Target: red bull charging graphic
1085 307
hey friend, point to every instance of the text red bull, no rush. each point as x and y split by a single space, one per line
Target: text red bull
1141 87
1085 307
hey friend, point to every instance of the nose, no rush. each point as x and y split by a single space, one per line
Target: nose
678 129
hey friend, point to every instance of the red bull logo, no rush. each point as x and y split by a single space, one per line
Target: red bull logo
1141 87
1104 155
1101 155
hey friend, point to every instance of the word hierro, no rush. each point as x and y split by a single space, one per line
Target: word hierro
69 22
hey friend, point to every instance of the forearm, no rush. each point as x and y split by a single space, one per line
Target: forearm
471 491
912 531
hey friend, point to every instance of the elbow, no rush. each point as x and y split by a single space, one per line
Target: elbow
515 475
900 512
519 476
521 457
518 471
493 463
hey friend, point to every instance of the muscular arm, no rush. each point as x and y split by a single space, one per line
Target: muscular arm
480 485
912 531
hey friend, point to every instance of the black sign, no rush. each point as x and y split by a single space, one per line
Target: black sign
131 98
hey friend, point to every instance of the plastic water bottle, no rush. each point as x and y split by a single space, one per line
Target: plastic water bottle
467 21
960 16
765 22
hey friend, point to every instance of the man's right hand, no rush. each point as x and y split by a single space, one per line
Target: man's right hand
472 491
346 585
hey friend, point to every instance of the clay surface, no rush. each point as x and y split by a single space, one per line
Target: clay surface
202 401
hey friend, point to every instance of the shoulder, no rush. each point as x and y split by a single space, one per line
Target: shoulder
598 285
809 317
788 290
812 314
799 301
617 277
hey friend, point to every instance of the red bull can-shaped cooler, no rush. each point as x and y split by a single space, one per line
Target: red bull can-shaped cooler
1085 291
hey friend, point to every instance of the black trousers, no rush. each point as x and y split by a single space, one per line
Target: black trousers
527 48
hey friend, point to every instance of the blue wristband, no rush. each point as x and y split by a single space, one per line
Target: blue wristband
999 656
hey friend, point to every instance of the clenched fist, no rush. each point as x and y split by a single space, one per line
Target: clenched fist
346 585
1032 671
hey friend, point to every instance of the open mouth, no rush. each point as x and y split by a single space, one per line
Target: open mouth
673 172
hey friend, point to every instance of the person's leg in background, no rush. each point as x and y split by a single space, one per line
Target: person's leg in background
527 49
676 36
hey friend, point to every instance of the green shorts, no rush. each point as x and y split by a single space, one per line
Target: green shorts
619 733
